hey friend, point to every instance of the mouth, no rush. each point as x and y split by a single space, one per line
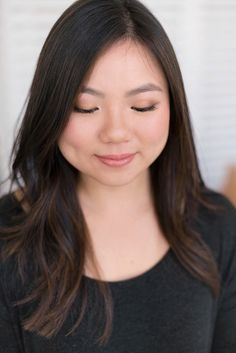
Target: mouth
116 157
116 160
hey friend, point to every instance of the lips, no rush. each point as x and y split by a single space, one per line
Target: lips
116 160
116 157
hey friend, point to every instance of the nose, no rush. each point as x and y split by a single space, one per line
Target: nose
115 127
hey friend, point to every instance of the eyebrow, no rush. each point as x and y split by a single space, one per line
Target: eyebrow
144 88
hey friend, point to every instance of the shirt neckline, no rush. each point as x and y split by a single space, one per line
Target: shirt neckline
158 267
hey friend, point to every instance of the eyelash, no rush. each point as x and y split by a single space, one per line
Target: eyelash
80 110
90 111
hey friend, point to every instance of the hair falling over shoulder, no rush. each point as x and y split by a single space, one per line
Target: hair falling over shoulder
52 237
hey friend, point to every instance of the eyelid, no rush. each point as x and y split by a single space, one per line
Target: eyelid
85 111
146 109
138 109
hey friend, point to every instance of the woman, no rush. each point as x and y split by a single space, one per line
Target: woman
111 242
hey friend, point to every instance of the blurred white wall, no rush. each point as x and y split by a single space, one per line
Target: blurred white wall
203 35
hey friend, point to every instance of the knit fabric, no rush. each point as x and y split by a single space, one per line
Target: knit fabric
163 310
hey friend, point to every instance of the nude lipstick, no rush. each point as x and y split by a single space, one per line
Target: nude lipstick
116 160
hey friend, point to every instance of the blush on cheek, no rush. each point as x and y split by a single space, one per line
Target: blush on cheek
69 130
158 131
72 136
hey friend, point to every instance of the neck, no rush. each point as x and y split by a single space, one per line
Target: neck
128 199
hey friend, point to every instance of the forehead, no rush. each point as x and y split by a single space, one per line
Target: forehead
125 61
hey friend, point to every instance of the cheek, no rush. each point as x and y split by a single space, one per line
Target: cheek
74 143
158 129
73 136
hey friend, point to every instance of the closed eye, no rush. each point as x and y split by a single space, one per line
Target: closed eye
89 111
85 111
145 109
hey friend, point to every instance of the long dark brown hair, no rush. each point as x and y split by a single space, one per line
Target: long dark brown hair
52 237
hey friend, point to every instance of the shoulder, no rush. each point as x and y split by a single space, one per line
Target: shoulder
221 216
9 209
218 227
217 198
10 215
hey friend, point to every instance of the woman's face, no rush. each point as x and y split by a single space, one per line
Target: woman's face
107 117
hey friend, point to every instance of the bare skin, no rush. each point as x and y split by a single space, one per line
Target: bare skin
125 248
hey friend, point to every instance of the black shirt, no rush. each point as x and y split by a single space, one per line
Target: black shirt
164 310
